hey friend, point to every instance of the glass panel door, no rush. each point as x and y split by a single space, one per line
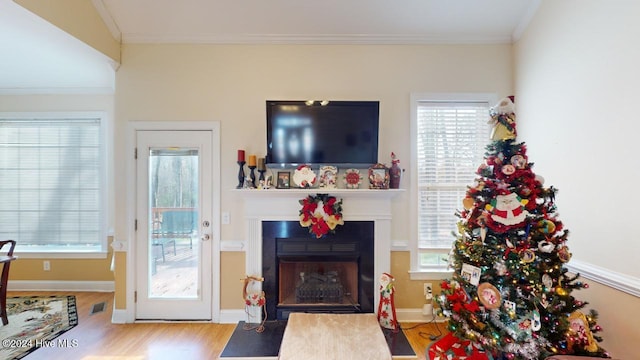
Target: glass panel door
174 267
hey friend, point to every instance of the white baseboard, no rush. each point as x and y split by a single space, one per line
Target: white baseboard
618 281
416 316
119 316
54 285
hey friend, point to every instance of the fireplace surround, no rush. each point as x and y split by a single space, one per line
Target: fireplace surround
283 205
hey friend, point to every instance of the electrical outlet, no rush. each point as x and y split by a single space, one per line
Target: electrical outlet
46 265
226 218
428 291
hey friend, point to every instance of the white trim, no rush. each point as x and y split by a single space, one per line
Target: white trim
232 245
622 282
525 20
430 274
104 13
119 316
400 245
102 254
59 285
414 315
58 90
132 128
315 39
232 316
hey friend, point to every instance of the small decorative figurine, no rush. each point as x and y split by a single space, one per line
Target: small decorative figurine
256 298
395 173
387 308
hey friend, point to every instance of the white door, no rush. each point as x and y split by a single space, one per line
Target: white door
174 225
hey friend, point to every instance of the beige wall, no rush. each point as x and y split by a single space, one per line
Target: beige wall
576 75
230 83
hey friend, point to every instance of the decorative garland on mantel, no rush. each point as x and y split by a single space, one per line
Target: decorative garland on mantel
321 214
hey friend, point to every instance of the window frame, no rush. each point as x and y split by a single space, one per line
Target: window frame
439 271
99 251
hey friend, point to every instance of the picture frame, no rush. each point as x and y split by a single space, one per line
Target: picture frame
328 177
284 180
379 176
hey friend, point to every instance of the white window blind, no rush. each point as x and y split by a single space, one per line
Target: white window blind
451 141
50 183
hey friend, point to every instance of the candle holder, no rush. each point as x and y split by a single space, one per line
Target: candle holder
252 175
241 175
261 177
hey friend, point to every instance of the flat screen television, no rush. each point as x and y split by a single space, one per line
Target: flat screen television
341 133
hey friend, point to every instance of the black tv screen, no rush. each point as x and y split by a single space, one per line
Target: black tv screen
331 133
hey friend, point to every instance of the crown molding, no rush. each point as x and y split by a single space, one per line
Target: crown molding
104 13
315 39
525 20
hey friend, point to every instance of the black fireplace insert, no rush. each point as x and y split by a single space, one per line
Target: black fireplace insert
333 274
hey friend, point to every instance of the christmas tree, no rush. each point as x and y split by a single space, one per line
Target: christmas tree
510 293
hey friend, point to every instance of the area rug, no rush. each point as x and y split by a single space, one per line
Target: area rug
34 322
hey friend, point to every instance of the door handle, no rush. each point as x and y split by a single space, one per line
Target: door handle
205 237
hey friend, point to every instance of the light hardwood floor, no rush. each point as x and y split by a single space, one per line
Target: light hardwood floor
99 339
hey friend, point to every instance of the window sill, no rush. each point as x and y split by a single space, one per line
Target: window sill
60 254
433 274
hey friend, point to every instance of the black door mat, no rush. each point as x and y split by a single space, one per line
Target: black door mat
249 343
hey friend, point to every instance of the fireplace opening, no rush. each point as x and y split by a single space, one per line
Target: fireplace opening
318 283
332 274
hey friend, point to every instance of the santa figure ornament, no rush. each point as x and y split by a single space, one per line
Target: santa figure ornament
508 209
386 307
503 119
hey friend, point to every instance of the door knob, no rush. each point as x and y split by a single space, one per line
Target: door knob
206 237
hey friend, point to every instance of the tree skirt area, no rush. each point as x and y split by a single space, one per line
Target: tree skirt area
34 322
249 344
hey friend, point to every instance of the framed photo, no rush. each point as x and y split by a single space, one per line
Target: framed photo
328 177
284 180
378 177
471 274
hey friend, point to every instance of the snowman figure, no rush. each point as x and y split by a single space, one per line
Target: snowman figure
508 209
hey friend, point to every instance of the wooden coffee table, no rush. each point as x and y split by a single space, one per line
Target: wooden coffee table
333 336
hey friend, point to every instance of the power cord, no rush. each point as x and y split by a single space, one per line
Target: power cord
427 335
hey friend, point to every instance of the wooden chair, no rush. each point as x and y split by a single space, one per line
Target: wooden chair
6 263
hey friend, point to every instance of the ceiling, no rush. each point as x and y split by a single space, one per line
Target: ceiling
329 21
45 59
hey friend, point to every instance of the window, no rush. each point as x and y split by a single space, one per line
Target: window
450 136
51 182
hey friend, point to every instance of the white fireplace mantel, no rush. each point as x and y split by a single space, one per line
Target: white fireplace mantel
283 205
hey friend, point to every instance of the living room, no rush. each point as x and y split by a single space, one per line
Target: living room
571 70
